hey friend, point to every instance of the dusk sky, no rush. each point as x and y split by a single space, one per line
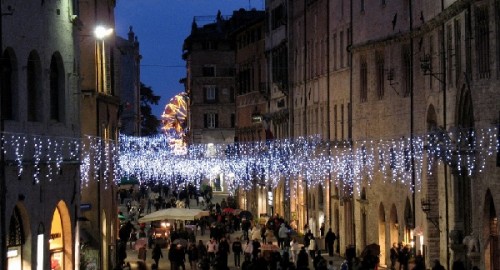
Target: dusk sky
161 27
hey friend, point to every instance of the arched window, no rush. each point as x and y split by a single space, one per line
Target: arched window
57 88
16 232
7 85
34 88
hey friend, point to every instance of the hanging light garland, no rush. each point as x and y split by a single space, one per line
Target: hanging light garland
244 165
265 163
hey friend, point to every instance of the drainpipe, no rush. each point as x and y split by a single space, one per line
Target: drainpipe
305 106
328 111
412 125
3 184
443 85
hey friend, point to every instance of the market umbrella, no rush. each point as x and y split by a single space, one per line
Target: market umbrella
373 249
271 247
203 214
228 210
246 214
172 213
237 211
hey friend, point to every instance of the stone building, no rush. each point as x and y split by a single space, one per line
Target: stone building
406 80
39 125
251 100
129 83
100 106
210 81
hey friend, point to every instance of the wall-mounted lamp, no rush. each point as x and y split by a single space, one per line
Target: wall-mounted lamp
426 205
426 66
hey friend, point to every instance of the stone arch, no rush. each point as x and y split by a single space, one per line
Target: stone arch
381 233
57 88
61 237
490 234
408 221
394 225
9 85
34 97
19 241
362 195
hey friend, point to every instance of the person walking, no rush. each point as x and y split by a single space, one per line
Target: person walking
282 235
193 256
294 250
312 247
211 249
157 254
142 254
302 259
223 250
237 250
330 238
394 255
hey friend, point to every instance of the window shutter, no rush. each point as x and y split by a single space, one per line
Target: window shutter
216 94
205 125
205 89
216 120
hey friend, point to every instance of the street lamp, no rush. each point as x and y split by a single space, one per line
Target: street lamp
101 33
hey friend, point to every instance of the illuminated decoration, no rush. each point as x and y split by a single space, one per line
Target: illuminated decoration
264 163
174 121
246 165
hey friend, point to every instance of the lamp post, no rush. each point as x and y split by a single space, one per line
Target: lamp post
100 33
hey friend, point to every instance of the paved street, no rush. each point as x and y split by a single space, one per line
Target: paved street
165 263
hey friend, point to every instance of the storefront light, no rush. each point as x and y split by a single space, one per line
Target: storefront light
11 253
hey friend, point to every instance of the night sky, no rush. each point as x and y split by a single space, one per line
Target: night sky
161 27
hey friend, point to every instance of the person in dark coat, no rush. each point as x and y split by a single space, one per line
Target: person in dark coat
307 238
237 250
302 259
157 254
394 256
223 250
193 256
329 241
179 257
255 249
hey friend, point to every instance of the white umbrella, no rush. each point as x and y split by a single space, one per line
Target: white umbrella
173 213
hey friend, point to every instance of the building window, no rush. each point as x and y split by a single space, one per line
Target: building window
34 103
449 48
431 55
7 85
458 52
211 94
57 88
341 47
379 61
406 70
363 80
482 41
362 5
209 71
342 121
211 120
233 120
334 51
335 122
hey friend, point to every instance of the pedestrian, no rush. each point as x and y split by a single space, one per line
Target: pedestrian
237 250
403 257
330 265
307 238
322 230
157 254
202 250
141 255
294 249
171 257
330 238
180 257
255 249
437 265
193 256
211 249
302 259
248 250
282 235
312 247
394 255
223 250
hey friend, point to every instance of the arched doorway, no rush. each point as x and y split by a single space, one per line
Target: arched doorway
60 241
104 241
381 233
394 225
18 240
490 231
409 224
